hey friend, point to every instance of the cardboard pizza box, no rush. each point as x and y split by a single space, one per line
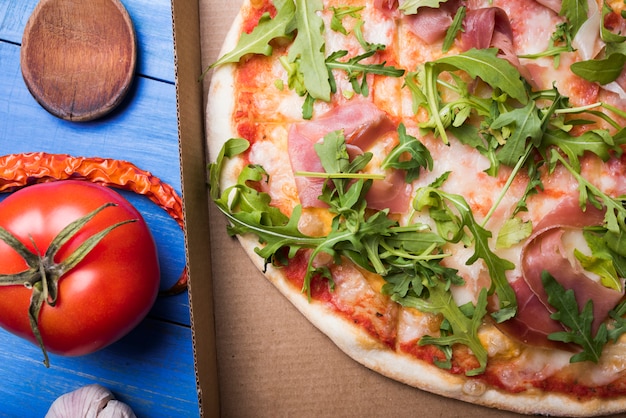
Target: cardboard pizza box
256 355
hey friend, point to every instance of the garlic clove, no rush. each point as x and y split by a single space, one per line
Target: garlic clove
91 401
116 409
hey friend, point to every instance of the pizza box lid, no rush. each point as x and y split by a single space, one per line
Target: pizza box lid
255 354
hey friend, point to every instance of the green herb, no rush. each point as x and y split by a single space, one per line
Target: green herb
575 11
456 228
454 29
608 68
407 257
514 231
409 155
356 70
410 7
615 215
579 323
526 125
560 41
458 328
339 13
374 242
336 24
268 29
606 35
308 48
602 71
602 266
484 64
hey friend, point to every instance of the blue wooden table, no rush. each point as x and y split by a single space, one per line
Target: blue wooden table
152 368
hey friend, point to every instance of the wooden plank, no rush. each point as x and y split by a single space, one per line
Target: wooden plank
151 19
151 370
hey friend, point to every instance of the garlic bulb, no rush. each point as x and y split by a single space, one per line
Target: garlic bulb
91 401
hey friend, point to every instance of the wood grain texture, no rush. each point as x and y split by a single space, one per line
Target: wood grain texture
155 55
78 58
152 369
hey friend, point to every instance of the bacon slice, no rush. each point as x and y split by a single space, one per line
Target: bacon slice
544 252
362 123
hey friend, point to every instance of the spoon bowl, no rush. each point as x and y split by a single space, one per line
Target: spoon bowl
78 57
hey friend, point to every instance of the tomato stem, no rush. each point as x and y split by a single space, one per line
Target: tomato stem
43 273
21 170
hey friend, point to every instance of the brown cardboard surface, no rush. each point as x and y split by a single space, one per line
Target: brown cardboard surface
190 106
270 360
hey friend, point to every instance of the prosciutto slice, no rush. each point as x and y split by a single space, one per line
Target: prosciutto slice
490 27
554 5
431 24
389 7
362 124
544 251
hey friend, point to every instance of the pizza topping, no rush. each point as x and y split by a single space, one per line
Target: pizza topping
486 28
532 325
545 259
362 124
554 5
427 280
431 24
386 5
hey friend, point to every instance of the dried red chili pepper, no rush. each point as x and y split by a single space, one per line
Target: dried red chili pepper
21 170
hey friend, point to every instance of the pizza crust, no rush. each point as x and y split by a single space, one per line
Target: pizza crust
353 340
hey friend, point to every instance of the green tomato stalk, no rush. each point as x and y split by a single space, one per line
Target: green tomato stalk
43 273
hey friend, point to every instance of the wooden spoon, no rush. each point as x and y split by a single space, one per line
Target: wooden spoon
78 57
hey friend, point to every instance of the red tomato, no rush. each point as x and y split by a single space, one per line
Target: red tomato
106 294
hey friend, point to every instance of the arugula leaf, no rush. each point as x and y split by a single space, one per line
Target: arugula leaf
578 322
526 125
605 260
268 29
484 64
602 71
560 41
618 325
375 243
308 48
438 200
598 142
355 70
605 34
615 216
455 27
420 156
339 13
463 329
410 7
602 266
231 148
607 69
575 11
514 231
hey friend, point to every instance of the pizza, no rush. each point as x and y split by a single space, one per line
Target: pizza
438 186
